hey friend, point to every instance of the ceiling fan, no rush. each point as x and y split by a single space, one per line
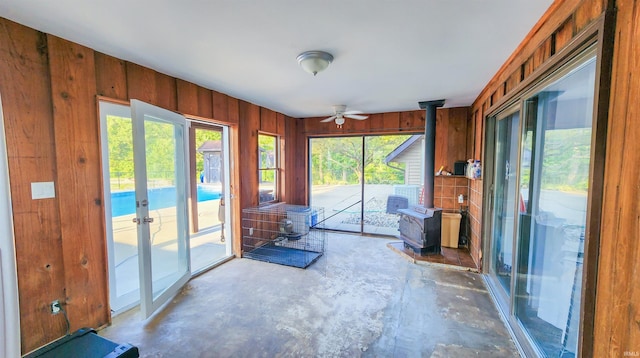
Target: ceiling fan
340 113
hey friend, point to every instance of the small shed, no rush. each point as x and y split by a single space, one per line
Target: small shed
212 152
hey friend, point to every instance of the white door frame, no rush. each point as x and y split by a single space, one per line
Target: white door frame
9 307
139 111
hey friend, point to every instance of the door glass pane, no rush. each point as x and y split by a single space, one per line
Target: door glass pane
207 241
336 174
165 164
392 167
120 205
552 213
504 196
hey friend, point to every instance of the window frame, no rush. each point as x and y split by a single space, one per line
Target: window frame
275 168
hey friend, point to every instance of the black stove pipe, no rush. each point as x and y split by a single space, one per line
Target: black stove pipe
429 148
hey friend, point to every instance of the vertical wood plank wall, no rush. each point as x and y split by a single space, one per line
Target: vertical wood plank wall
28 113
73 90
49 88
617 316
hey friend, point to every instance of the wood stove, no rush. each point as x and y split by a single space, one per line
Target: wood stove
420 229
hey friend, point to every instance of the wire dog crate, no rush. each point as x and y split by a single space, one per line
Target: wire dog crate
283 234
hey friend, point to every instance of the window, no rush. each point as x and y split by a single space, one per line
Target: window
268 168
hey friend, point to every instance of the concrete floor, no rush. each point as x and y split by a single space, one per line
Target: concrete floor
360 299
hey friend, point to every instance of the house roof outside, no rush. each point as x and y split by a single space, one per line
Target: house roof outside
402 147
210 146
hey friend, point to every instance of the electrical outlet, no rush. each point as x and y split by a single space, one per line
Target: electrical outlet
250 231
55 307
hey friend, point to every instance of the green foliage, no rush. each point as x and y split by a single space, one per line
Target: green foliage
160 151
120 137
377 148
566 160
340 160
267 146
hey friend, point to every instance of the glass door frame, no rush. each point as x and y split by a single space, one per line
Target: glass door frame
503 298
589 43
107 106
132 298
363 146
310 182
9 297
227 227
149 302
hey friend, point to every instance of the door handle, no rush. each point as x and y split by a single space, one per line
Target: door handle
146 220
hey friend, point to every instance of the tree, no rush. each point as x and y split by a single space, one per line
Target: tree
340 161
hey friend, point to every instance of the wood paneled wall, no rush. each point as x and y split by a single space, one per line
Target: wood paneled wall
28 116
617 316
379 123
77 156
296 175
49 88
250 115
451 137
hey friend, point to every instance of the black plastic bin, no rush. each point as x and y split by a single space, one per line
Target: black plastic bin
85 343
465 229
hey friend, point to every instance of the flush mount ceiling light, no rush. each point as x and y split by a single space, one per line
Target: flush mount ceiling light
314 61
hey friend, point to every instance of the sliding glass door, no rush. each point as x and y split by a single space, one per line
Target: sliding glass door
390 182
539 193
336 175
557 138
361 181
504 198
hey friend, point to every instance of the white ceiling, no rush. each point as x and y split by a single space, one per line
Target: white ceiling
389 54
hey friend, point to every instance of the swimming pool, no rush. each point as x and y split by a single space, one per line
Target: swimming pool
124 202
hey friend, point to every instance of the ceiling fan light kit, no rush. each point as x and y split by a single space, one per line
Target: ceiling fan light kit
340 113
314 61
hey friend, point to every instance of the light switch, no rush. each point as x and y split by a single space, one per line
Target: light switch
43 190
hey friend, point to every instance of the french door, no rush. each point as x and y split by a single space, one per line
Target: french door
145 177
159 158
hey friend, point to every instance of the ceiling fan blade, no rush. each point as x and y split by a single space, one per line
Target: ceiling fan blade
353 112
328 119
356 116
